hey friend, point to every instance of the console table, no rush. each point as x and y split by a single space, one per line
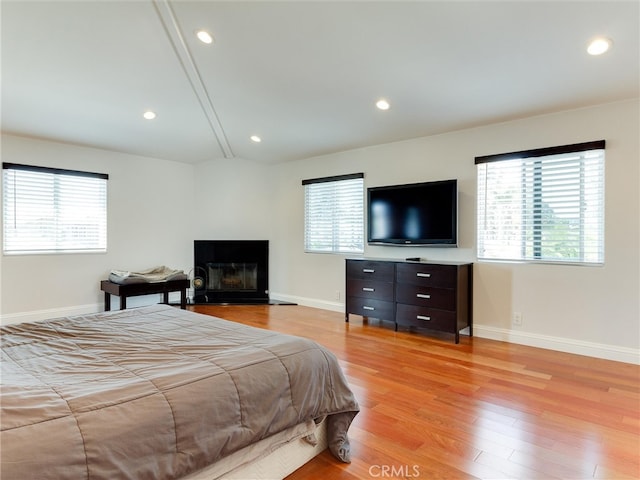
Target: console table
147 288
436 296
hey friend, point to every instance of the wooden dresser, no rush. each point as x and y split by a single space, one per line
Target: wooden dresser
434 296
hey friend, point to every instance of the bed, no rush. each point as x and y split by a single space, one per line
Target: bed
162 393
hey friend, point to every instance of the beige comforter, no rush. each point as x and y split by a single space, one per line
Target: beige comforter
156 393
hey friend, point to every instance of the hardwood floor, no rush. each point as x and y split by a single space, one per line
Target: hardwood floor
481 409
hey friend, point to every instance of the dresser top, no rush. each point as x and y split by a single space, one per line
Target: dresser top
402 260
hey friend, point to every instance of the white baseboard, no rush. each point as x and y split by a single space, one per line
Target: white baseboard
38 315
309 302
568 345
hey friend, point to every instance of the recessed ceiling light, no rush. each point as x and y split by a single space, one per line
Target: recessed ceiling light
149 115
599 45
255 138
204 36
382 104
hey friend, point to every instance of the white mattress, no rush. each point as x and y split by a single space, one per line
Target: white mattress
271 458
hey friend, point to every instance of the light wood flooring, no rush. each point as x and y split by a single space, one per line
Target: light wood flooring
482 409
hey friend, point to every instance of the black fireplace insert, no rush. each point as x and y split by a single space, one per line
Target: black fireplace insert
231 271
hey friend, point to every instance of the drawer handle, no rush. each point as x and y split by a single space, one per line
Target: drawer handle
368 270
423 295
423 275
422 317
368 289
365 307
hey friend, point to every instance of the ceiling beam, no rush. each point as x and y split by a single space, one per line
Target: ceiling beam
180 47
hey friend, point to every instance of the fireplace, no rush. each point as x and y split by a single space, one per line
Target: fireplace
231 271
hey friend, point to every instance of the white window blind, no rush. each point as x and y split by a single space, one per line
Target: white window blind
542 205
334 214
53 210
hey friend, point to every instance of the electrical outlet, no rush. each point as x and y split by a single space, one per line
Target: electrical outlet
337 294
516 319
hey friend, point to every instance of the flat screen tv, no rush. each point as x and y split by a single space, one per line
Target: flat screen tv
413 214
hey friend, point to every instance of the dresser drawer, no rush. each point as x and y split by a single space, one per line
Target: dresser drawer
378 271
433 318
442 298
427 275
363 287
368 307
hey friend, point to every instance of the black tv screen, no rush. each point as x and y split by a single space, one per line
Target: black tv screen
413 214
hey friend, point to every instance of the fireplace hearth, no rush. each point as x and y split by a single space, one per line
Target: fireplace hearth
231 271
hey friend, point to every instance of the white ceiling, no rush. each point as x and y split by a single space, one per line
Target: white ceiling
302 75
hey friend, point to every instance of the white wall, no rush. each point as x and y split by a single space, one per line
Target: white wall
150 222
157 209
592 310
233 200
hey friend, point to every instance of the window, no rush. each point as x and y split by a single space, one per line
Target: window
53 210
542 205
334 214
